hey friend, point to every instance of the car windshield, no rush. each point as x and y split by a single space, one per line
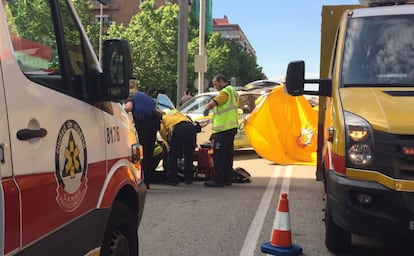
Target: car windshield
258 85
379 51
164 103
196 105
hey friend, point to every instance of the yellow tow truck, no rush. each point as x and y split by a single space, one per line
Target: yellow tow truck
366 119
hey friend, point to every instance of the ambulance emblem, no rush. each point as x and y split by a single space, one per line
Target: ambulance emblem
71 166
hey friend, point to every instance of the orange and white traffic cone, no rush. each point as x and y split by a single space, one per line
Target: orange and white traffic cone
281 242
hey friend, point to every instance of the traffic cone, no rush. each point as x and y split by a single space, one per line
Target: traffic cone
281 242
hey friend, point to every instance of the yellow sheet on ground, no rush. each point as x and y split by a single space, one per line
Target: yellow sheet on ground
283 129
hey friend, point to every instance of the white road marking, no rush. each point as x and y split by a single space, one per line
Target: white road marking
250 243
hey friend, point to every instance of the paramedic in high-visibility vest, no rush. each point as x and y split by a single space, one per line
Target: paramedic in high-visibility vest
225 123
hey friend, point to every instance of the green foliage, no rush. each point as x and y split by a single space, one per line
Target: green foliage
37 11
83 8
93 33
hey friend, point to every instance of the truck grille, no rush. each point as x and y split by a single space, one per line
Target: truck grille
390 159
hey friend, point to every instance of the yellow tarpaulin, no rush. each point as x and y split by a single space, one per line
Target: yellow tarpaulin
283 129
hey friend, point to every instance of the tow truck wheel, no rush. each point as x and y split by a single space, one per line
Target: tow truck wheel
336 238
121 236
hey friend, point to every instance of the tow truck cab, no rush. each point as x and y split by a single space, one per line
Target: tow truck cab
71 182
366 121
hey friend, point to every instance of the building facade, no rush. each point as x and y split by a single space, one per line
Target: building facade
233 32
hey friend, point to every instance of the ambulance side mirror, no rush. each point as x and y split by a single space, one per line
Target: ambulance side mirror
117 70
295 78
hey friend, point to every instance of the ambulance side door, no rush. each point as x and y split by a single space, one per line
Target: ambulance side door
7 187
57 136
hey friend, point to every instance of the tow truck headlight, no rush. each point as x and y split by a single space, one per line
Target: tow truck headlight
360 154
358 133
359 142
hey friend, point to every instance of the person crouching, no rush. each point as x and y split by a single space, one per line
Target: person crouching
180 133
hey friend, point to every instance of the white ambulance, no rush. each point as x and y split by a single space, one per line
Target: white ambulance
71 182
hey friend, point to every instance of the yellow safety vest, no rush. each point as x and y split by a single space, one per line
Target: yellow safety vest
225 116
169 120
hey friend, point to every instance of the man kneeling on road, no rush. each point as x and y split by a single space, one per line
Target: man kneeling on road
179 131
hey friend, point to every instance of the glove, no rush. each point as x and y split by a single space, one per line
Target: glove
205 113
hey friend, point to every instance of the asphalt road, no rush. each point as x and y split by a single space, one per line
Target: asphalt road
196 220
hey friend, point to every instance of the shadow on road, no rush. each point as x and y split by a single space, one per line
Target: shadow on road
245 154
363 246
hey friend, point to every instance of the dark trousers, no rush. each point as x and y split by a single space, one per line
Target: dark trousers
223 150
147 132
181 144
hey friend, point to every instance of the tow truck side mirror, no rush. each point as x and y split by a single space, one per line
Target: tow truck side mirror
117 70
295 78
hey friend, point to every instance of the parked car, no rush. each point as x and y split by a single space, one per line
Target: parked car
261 86
194 109
163 103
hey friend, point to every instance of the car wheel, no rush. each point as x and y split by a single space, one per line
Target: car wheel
121 235
337 239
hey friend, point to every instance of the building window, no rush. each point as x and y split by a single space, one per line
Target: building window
105 19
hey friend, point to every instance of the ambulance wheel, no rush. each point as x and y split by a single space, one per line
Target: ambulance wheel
337 239
121 236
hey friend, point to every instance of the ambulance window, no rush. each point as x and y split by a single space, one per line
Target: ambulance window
52 59
33 40
73 48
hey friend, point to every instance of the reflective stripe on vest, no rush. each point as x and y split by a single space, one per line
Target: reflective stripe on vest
225 116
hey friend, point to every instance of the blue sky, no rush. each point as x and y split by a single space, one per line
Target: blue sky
279 31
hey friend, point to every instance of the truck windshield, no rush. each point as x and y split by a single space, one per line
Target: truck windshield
379 51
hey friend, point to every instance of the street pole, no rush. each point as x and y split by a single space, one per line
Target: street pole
182 59
201 48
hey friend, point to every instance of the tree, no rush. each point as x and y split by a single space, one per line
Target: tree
152 35
228 58
153 38
83 8
37 11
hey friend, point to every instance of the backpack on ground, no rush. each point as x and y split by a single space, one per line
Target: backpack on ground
240 175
